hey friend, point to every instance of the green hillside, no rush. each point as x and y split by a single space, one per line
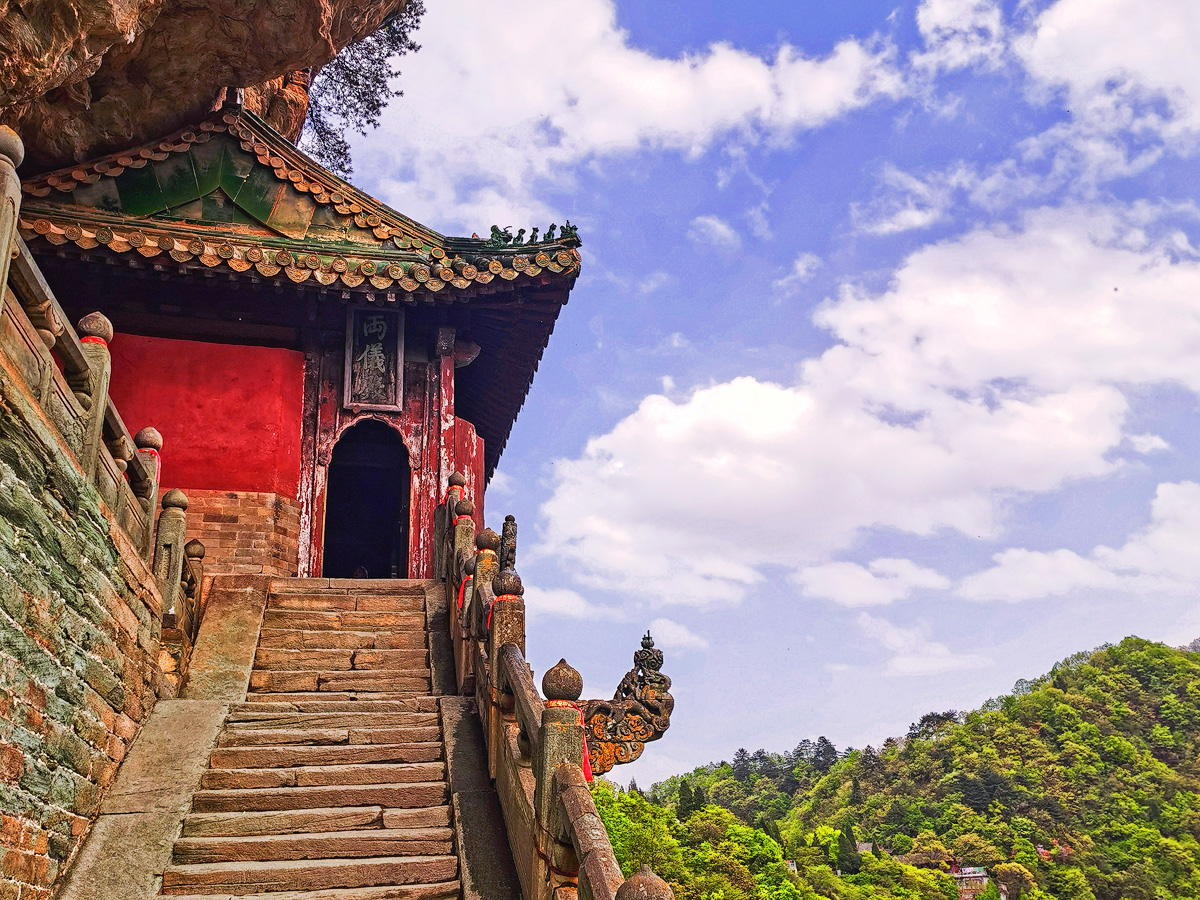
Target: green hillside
1082 784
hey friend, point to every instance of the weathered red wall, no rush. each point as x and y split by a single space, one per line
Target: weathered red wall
229 415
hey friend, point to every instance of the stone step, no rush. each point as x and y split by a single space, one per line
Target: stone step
351 585
344 621
330 696
414 661
357 844
328 639
316 703
299 821
251 737
330 602
443 890
246 718
262 757
261 799
305 776
378 680
240 878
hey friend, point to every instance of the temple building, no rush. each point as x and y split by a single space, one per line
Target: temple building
255 638
317 363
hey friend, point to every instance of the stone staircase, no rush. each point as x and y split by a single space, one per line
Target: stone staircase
329 781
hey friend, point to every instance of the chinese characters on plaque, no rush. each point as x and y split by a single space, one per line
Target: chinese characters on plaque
374 359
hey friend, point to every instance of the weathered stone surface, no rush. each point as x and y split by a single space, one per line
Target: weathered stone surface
446 890
85 77
346 818
224 653
263 757
317 845
167 759
77 646
305 776
400 795
123 856
309 875
485 864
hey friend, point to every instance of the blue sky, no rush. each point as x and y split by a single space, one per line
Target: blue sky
879 388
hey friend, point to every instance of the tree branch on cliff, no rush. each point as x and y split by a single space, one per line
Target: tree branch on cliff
354 88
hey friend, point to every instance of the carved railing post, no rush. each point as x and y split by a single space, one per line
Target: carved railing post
168 548
149 444
190 584
444 517
507 626
91 386
560 740
12 152
487 566
560 736
460 587
508 543
645 885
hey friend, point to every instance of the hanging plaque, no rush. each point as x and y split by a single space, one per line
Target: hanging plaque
374 359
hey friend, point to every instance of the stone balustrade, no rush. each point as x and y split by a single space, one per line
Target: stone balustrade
65 372
535 742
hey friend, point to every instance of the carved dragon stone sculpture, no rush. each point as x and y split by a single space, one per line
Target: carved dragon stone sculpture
618 730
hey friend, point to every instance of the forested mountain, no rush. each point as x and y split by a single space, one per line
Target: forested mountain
1081 785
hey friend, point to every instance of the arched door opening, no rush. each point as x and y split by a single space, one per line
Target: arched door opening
366 505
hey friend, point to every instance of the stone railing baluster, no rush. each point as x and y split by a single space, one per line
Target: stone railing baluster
487 567
149 445
12 152
92 391
538 750
191 582
168 548
508 543
443 526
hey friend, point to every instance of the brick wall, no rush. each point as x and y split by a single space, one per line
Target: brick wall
245 532
79 637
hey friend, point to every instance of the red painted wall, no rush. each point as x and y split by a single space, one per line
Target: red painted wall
229 415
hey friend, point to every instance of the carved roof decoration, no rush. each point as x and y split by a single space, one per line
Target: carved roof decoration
230 193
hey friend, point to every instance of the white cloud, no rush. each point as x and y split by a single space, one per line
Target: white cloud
669 635
500 483
1124 71
993 365
1111 56
914 652
567 604
1158 559
1148 443
803 269
519 96
714 231
960 33
880 581
908 203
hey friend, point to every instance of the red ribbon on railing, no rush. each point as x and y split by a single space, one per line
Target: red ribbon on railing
157 460
462 492
505 597
587 762
458 520
92 339
462 589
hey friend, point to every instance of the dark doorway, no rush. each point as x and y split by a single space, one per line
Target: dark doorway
366 505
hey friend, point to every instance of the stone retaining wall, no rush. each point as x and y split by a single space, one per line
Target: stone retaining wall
245 532
80 620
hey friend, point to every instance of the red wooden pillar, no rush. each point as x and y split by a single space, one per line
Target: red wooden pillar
432 476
